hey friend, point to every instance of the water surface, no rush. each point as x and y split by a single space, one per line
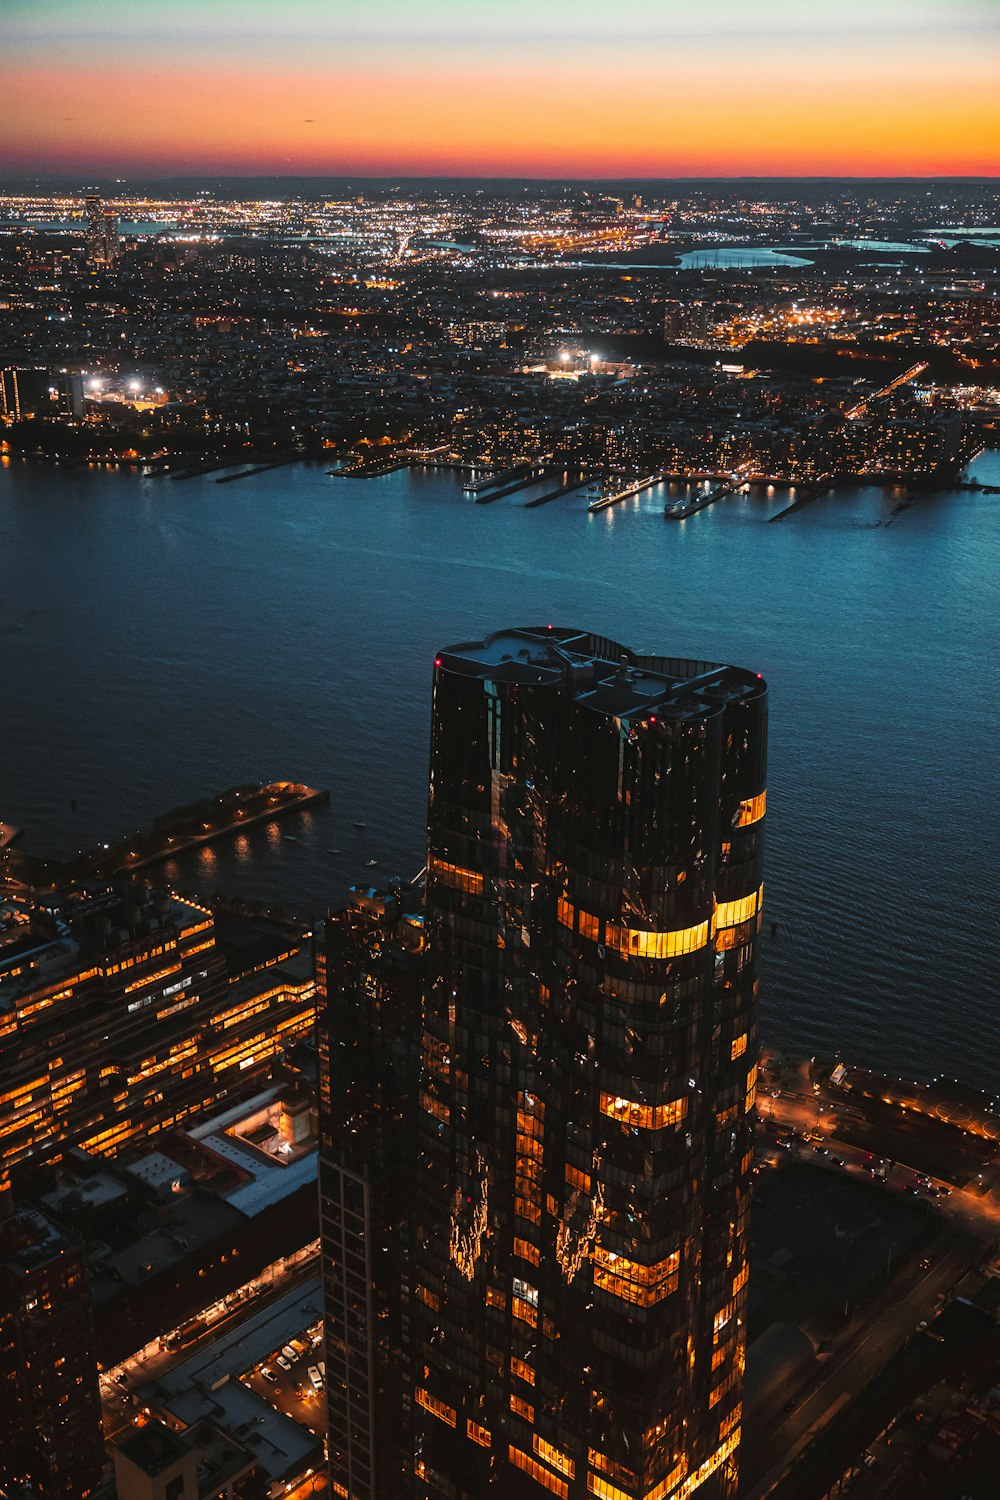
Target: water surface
162 640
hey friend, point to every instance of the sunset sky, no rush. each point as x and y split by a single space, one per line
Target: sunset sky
519 87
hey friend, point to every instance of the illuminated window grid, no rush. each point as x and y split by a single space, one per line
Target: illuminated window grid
537 1471
138 984
642 1285
726 1384
478 1433
199 948
526 1251
457 876
740 1279
554 1456
439 1409
645 1116
732 913
524 1310
429 1298
751 1093
244 1054
522 1370
432 1106
605 1490
733 1420
62 1096
635 942
242 1012
108 1141
577 1179
604 1465
722 1317
738 1048
18 1097
522 1408
751 810
528 1158
152 1065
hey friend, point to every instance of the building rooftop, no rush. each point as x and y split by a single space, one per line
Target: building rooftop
28 1239
601 674
207 1385
153 1448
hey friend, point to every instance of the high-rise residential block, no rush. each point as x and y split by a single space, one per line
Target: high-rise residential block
570 1302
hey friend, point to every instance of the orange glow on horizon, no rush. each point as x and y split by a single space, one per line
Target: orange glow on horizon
438 120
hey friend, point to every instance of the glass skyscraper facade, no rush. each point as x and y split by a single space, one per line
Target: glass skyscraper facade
575 1220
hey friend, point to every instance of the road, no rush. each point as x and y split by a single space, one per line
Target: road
831 1118
878 1333
118 1384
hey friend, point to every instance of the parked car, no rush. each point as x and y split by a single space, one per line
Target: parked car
290 1354
268 1374
315 1377
285 1364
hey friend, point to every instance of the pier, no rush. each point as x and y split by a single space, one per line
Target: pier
187 828
278 463
806 494
8 833
477 486
626 494
522 483
680 510
370 471
563 489
210 466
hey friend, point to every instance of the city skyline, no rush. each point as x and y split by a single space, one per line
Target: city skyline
548 90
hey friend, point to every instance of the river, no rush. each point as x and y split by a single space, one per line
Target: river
162 640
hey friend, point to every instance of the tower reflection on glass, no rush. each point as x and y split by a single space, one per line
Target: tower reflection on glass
538 1093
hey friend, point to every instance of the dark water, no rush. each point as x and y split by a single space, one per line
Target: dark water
162 640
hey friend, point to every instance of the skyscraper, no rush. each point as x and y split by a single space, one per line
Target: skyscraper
50 1409
102 232
576 1224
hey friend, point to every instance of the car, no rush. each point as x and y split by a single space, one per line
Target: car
926 1263
315 1377
837 1161
285 1364
822 1150
268 1374
290 1354
944 1192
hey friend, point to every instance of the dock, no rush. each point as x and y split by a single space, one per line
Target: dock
211 466
531 477
807 493
680 510
634 489
187 828
8 833
563 489
278 463
370 471
488 481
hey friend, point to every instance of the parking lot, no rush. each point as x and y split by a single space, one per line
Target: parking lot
291 1391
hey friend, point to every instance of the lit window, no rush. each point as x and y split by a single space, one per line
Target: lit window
646 1116
751 810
